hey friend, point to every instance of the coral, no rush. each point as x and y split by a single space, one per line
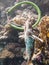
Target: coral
43 28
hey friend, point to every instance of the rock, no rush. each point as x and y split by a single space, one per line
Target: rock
43 4
24 63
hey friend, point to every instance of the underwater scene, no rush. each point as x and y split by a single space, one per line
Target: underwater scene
24 32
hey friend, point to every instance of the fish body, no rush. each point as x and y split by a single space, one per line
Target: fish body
29 46
29 40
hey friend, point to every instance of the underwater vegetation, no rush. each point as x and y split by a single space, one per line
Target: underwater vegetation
24 35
